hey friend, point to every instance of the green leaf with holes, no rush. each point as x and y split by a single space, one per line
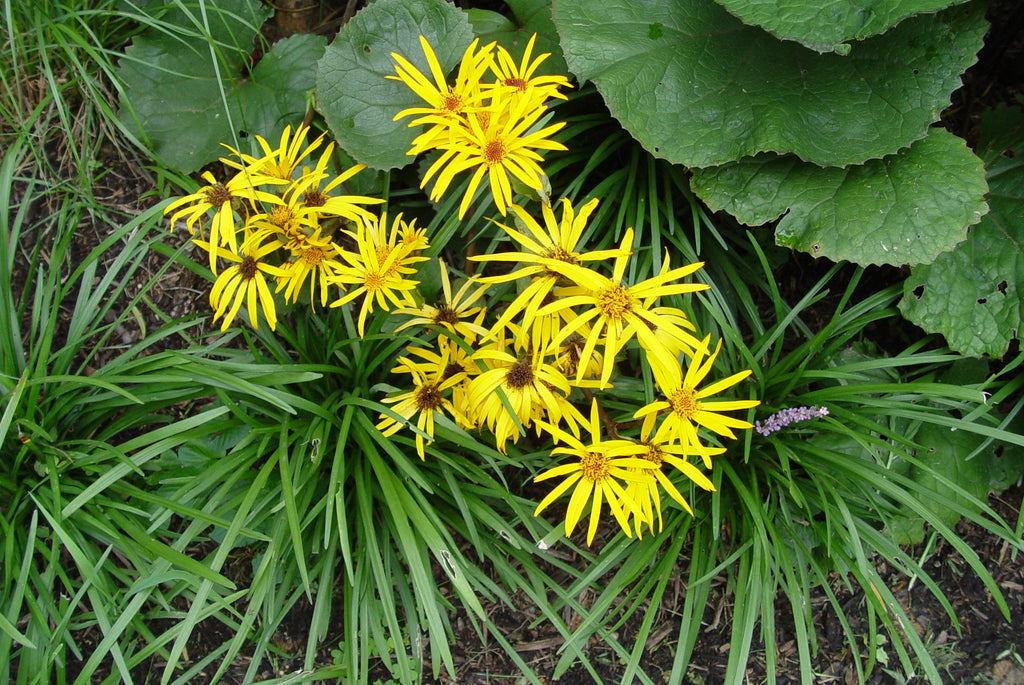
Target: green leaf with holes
697 87
972 295
528 17
353 92
189 89
950 456
906 208
829 25
943 455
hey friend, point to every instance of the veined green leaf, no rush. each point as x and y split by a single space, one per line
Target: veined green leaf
188 91
829 25
529 17
905 208
697 87
972 295
353 92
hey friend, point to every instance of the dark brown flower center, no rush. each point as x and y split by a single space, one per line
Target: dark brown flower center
573 351
248 268
314 198
451 370
428 397
217 195
446 314
521 373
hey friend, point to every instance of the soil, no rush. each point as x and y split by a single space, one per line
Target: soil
985 648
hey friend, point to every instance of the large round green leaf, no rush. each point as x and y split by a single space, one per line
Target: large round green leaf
972 295
696 86
187 94
903 209
826 25
528 17
352 90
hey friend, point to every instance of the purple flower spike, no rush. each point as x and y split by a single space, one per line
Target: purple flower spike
783 418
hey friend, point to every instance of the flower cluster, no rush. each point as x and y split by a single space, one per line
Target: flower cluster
783 418
564 331
523 346
279 223
481 123
557 341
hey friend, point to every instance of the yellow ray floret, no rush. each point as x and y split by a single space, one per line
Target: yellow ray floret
597 475
616 312
686 406
497 146
245 281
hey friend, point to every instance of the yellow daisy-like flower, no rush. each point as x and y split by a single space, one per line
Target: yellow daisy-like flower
413 238
318 202
672 344
602 467
446 103
386 242
283 219
454 313
668 337
497 146
221 198
570 352
617 312
686 406
453 360
520 79
312 256
378 271
660 452
533 389
279 165
452 357
558 240
425 400
244 282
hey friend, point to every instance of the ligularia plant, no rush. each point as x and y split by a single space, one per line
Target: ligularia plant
537 361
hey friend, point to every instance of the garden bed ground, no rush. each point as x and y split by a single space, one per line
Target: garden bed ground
986 649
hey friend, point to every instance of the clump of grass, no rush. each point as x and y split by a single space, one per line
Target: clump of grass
57 85
87 546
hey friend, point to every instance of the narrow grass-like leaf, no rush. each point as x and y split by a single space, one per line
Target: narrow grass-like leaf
291 511
161 440
195 613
